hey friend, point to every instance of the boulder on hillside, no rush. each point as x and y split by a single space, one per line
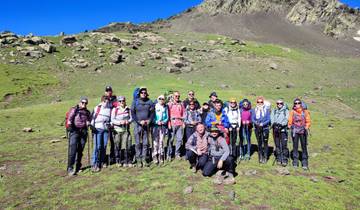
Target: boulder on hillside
35 40
68 40
49 48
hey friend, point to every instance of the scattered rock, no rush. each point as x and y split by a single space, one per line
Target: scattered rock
3 168
165 50
49 48
331 126
28 129
55 141
68 40
140 62
232 195
331 178
282 171
224 86
188 190
116 57
183 49
314 154
171 69
318 88
314 179
290 85
34 40
273 66
250 172
34 54
326 148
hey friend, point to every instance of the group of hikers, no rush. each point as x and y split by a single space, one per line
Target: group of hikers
206 135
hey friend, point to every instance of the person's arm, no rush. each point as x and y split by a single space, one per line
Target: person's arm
225 121
190 143
239 118
272 117
253 120
152 111
187 118
208 120
113 118
169 112
226 149
286 119
267 117
290 122
133 112
307 119
71 117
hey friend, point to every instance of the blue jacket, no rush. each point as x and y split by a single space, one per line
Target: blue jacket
211 119
264 118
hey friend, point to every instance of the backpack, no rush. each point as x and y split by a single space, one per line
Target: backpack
67 126
96 113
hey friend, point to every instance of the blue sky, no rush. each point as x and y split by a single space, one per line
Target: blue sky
50 17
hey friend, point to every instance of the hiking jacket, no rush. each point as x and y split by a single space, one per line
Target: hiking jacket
234 116
192 116
246 114
203 115
142 109
261 114
212 119
198 143
176 113
161 114
101 116
187 101
78 117
118 115
280 116
218 147
300 114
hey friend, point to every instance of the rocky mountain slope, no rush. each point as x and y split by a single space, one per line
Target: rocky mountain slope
327 26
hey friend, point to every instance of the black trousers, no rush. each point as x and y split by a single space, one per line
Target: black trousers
233 137
193 158
77 141
303 141
280 139
262 136
210 167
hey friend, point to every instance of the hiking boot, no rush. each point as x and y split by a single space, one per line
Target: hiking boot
105 165
229 180
284 163
193 169
71 172
119 165
156 161
139 163
247 157
178 157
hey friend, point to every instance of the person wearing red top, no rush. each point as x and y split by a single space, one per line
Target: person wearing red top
299 123
176 124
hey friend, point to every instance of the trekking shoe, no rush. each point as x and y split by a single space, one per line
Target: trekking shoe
247 157
193 169
278 162
284 163
104 165
119 165
229 180
178 157
71 172
125 165
305 168
156 161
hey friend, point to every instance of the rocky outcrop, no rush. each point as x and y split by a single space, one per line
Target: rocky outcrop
337 19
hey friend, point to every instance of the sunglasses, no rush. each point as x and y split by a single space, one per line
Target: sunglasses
161 99
296 103
191 94
83 102
176 95
280 103
142 92
260 102
122 101
191 104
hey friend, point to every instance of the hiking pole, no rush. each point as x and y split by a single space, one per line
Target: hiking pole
231 141
88 154
281 146
274 137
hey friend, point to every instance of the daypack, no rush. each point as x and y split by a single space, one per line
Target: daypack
136 95
67 126
96 113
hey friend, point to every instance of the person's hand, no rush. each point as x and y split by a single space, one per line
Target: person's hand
220 164
169 126
159 123
183 125
238 129
230 129
261 125
126 122
142 122
247 122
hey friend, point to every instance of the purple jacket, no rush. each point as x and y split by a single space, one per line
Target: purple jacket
78 117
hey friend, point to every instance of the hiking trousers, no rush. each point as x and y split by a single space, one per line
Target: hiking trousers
159 133
122 145
189 130
141 141
281 149
233 138
210 167
262 136
195 160
100 142
245 131
77 141
178 134
304 157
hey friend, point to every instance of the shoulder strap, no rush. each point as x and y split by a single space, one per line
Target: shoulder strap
116 111
98 108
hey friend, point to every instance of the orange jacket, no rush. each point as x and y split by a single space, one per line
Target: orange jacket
299 112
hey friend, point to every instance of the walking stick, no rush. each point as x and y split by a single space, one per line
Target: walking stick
88 155
274 137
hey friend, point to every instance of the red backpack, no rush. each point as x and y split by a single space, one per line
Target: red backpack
67 116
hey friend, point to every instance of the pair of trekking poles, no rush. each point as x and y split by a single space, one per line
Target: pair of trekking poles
245 134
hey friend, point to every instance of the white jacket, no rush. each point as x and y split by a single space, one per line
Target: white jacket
234 116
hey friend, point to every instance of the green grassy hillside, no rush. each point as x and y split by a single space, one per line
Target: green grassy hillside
33 170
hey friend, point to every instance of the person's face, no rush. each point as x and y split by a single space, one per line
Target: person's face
233 104
162 101
213 98
280 104
143 94
108 93
191 95
214 134
83 104
200 129
177 96
297 104
192 106
218 107
122 103
260 102
246 104
206 107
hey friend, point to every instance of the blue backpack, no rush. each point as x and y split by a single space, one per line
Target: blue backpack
136 95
